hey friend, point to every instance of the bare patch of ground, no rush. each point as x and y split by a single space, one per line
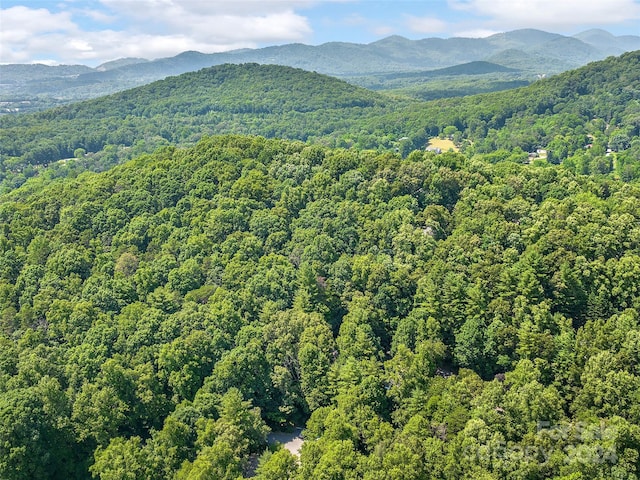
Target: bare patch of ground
443 144
292 441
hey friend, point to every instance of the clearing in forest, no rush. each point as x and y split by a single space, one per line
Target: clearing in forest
444 144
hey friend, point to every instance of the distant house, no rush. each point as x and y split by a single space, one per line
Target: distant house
434 149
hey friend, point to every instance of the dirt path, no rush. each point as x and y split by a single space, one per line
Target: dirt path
292 441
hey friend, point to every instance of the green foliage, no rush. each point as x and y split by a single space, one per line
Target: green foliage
434 316
413 313
574 117
279 465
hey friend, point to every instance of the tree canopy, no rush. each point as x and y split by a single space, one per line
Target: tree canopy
434 316
469 314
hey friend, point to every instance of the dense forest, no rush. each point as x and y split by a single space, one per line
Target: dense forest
463 315
432 317
597 105
271 101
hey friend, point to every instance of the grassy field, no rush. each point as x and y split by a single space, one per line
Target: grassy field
443 144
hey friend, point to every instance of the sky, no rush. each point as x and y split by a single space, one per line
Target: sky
92 32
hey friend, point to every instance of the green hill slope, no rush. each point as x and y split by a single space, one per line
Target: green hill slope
471 68
577 116
273 101
530 62
411 314
460 80
598 102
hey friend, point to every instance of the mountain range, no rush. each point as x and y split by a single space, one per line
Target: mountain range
527 53
439 289
284 102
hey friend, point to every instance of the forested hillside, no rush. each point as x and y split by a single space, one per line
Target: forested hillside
26 88
576 116
271 101
457 81
588 119
427 317
470 315
595 99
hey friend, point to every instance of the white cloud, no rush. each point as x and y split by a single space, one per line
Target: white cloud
19 23
216 22
154 28
24 27
167 8
96 15
550 14
426 24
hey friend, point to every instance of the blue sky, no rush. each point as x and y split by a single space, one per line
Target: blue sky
95 31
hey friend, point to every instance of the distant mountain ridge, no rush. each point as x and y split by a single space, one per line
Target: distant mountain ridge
530 51
283 102
478 67
121 62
